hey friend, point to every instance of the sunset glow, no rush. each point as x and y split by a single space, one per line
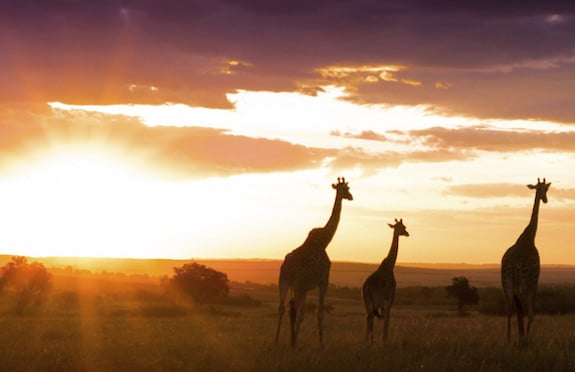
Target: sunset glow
142 134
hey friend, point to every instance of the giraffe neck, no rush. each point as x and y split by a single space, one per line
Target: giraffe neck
389 261
331 225
531 229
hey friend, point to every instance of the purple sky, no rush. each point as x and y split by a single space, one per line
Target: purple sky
512 59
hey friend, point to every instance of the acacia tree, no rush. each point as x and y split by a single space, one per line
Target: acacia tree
26 282
465 294
200 282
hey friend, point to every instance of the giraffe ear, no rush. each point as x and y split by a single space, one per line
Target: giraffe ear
532 187
334 186
390 225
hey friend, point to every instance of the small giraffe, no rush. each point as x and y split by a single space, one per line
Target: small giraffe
520 269
378 290
307 267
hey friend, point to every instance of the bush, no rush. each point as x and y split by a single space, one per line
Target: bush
465 294
200 282
27 282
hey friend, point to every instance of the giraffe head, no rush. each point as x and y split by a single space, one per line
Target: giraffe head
342 189
399 227
541 189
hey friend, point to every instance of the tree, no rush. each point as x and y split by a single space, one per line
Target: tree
27 282
465 294
200 282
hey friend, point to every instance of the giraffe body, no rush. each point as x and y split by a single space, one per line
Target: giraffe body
307 267
520 270
378 290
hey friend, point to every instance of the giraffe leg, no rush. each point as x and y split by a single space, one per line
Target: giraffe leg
282 308
293 326
530 315
297 310
320 310
369 328
508 306
385 324
509 314
520 324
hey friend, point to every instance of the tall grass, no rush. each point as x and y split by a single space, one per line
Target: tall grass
112 333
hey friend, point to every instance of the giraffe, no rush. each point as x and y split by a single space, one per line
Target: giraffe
307 267
520 270
378 290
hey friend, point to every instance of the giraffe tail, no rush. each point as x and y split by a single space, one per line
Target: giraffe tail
292 310
518 306
376 310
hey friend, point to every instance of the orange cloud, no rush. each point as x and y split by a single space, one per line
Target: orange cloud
352 76
498 190
180 151
484 138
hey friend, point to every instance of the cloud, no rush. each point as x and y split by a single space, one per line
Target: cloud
484 138
177 151
496 59
371 162
499 190
486 190
476 138
365 135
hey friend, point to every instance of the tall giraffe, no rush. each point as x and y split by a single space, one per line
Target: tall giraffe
520 269
307 267
378 290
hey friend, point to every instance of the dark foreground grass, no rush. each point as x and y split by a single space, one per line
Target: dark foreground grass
242 340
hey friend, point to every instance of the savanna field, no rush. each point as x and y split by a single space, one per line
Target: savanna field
112 322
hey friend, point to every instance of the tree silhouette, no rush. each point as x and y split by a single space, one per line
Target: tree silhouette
200 282
465 294
27 282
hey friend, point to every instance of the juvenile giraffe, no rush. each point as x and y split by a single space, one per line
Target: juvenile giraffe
520 270
378 290
307 267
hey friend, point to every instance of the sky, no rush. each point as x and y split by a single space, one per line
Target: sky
214 129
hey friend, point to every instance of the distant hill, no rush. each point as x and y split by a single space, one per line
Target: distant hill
350 274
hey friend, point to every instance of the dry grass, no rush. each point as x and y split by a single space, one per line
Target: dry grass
104 330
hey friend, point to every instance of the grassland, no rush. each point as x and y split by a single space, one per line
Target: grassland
119 324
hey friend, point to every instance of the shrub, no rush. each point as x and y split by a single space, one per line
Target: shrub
27 282
465 294
200 282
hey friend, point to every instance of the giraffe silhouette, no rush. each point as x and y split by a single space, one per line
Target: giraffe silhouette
378 290
307 267
520 270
